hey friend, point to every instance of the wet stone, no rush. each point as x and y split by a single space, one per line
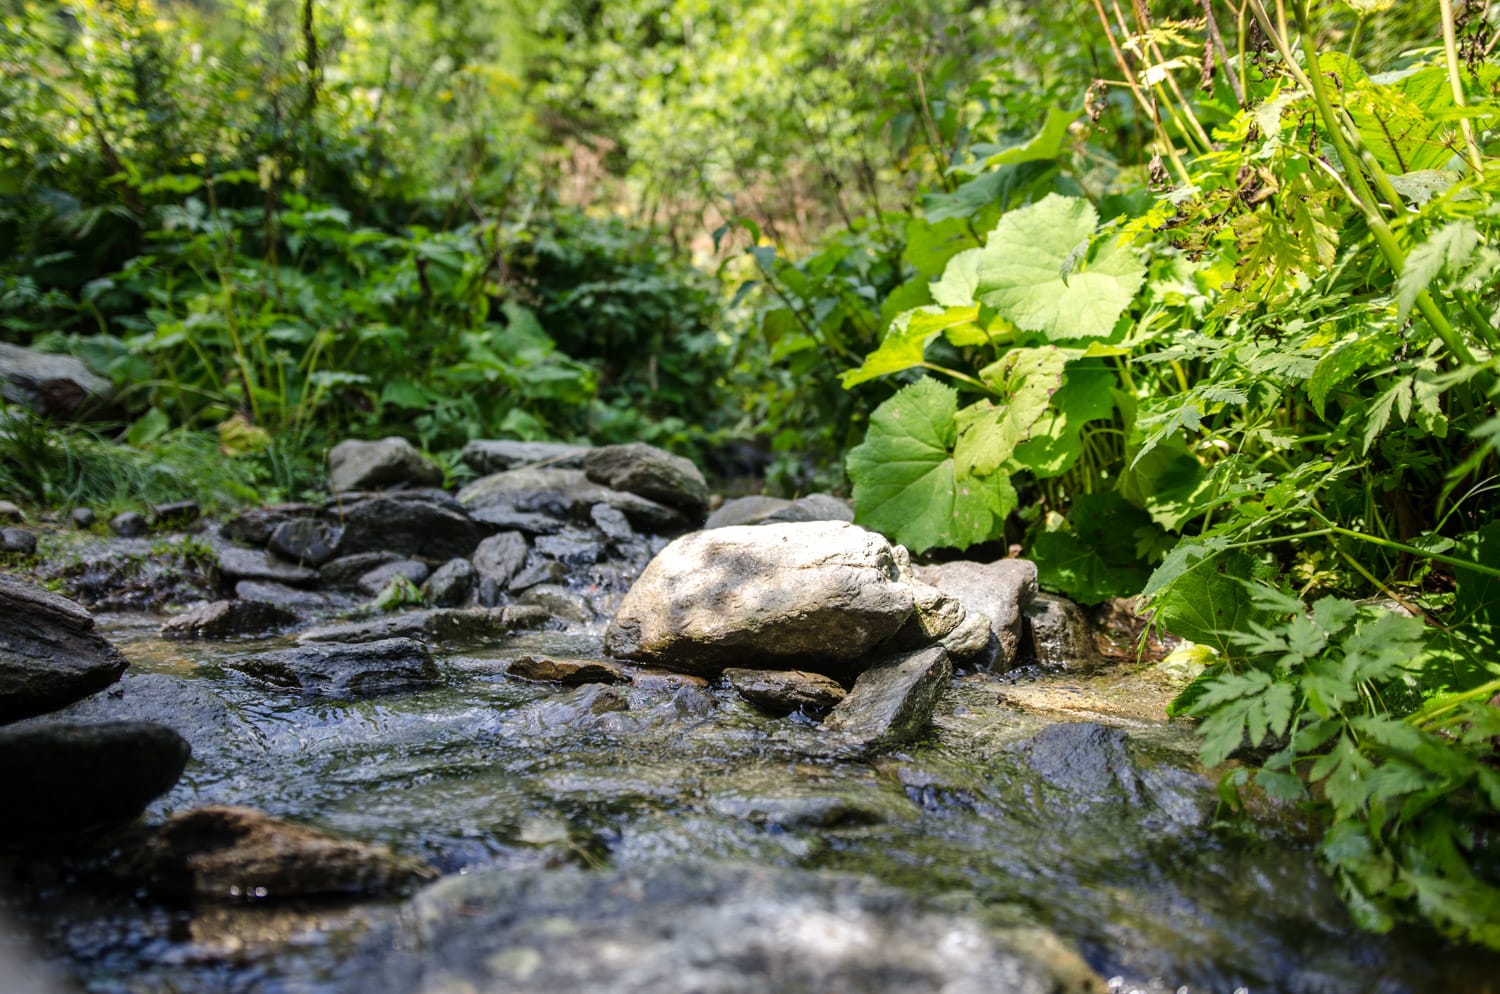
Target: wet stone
540 571
129 524
435 625
649 472
391 461
892 701
484 455
611 522
254 527
784 691
1061 636
175 515
83 517
496 561
17 540
560 602
50 654
66 776
236 563
227 619
380 577
572 548
223 853
305 541
410 524
570 672
345 571
281 595
450 584
344 670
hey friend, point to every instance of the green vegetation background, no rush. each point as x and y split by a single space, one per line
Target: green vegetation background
1192 301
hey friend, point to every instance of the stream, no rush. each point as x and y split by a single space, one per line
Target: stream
1053 812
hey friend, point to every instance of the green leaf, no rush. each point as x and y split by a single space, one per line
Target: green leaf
960 280
1090 560
1199 592
988 433
906 484
1024 274
1348 357
148 427
1447 248
1045 144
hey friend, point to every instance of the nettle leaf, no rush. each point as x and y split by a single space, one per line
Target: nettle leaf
1029 271
906 483
1448 248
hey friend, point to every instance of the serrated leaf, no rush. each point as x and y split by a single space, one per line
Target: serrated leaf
1344 360
988 432
1021 266
1198 592
906 484
1447 248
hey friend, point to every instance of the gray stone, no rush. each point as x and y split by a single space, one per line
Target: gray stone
505 517
55 386
939 619
759 510
223 853
784 691
177 514
1086 761
228 619
699 927
649 472
305 541
236 564
999 591
496 561
560 602
254 527
332 669
435 625
807 808
63 777
566 494
791 596
11 512
450 584
345 571
380 577
391 461
573 548
409 525
50 654
536 573
17 540
281 595
892 701
129 524
83 517
488 455
570 672
1061 636
612 522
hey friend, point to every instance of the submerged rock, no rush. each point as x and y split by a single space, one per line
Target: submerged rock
651 473
223 853
784 691
731 929
435 625
62 776
330 669
391 461
814 595
892 701
227 619
50 654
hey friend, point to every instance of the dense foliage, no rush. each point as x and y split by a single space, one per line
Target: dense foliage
1217 329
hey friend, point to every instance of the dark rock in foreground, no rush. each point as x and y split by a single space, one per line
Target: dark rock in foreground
415 524
61 777
785 691
50 655
360 465
363 669
223 853
702 928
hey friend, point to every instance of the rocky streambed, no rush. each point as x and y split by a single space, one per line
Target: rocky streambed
608 784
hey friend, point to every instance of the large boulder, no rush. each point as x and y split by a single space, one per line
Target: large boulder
50 654
999 591
223 853
66 776
815 595
651 473
393 461
55 386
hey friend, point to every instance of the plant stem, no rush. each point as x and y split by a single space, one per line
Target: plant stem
1450 52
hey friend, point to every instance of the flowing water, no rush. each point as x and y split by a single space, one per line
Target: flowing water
1054 808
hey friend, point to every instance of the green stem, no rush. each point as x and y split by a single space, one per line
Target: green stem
1450 53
